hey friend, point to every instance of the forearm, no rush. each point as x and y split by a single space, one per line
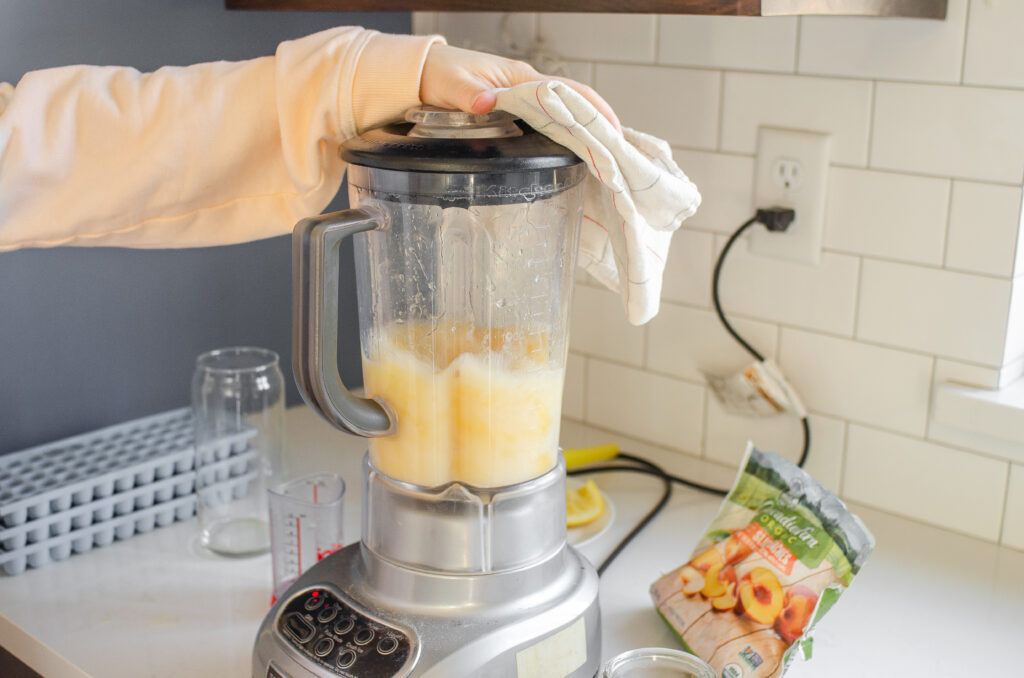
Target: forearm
203 155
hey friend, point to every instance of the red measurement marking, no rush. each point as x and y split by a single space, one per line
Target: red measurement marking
314 494
298 541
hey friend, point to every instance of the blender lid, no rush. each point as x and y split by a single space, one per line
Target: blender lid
438 140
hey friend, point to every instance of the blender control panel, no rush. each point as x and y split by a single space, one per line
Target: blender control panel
336 637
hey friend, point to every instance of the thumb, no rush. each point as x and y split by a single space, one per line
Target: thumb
474 95
484 102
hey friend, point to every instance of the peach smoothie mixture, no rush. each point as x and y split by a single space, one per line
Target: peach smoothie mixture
474 405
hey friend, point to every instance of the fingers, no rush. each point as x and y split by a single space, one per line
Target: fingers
467 80
484 102
593 97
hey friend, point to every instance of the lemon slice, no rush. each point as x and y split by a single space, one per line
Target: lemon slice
583 505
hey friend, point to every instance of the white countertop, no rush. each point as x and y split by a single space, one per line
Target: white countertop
928 603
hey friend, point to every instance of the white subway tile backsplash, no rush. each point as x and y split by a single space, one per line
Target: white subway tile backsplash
599 327
687 466
945 313
606 37
727 436
574 395
580 71
953 372
922 480
984 224
676 104
887 49
737 43
650 407
689 342
994 56
687 278
841 108
856 381
1013 516
821 297
726 184
896 216
496 32
923 176
1014 344
963 132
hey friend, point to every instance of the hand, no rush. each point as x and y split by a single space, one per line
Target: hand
466 80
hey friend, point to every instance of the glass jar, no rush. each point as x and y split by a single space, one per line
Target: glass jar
238 409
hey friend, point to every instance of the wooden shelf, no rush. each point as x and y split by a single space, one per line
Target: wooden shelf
727 7
931 9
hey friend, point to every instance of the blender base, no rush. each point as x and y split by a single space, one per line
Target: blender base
358 616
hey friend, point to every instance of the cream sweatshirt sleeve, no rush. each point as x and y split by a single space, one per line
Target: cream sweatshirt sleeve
209 154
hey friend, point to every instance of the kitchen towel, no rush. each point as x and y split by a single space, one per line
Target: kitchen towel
634 199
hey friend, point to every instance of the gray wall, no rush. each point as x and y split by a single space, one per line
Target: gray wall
94 336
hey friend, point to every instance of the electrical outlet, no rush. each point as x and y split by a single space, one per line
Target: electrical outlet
792 171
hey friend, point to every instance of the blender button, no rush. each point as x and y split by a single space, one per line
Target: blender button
346 658
314 603
323 647
344 626
363 636
387 645
327 614
298 628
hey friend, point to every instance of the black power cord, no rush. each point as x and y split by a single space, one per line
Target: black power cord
774 219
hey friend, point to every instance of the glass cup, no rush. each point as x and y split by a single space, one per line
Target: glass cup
305 525
656 662
238 409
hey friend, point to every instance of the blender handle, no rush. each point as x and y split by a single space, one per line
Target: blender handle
315 269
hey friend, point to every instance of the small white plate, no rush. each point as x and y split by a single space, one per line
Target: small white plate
584 534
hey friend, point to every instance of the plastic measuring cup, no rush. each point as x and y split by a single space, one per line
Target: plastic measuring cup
305 525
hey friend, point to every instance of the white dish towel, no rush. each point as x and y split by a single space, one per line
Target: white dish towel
635 196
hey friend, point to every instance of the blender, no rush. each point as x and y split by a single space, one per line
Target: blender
465 229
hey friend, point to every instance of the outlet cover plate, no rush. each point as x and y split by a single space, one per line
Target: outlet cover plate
779 153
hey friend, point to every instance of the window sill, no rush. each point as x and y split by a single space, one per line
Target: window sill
992 420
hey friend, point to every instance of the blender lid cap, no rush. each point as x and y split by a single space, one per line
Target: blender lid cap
437 140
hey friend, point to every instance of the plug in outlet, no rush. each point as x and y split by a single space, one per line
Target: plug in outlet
792 171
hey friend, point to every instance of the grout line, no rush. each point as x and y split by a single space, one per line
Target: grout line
721 109
952 84
930 400
834 335
856 297
963 43
586 386
843 453
949 225
872 110
1006 502
656 43
704 418
915 264
645 348
796 50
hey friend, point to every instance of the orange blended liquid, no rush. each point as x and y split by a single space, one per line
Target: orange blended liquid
478 406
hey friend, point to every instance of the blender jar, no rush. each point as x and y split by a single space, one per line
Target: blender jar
468 230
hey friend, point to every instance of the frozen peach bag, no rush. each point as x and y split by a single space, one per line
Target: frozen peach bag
773 561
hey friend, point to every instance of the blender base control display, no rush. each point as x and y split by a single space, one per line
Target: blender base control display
334 636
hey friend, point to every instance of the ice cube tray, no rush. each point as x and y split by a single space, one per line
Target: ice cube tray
118 527
71 495
56 476
122 503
